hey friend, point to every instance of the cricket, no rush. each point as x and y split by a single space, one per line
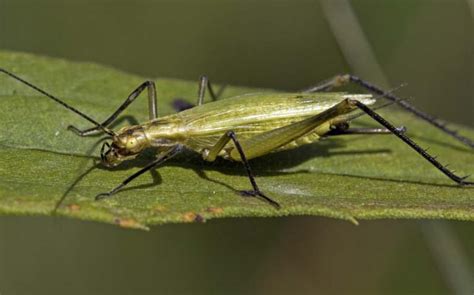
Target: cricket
249 126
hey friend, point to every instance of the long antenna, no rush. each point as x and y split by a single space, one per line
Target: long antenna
106 130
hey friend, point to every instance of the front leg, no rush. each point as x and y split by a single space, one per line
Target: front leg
163 157
152 109
211 154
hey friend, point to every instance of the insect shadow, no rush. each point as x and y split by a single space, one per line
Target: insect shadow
278 163
273 164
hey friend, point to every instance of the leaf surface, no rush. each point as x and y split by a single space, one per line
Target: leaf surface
352 177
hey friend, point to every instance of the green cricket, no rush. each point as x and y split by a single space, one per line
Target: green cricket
248 126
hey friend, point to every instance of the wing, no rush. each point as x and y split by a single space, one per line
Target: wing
254 114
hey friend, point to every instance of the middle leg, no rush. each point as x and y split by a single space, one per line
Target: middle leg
211 154
204 84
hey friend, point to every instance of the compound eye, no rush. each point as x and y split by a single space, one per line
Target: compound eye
131 143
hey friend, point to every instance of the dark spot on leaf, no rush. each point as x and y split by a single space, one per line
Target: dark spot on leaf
73 207
193 217
129 223
215 210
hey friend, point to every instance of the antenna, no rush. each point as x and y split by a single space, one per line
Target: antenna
106 130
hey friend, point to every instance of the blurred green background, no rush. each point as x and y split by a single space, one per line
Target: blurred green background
279 44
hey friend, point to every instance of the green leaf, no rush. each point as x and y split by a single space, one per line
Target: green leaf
352 177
